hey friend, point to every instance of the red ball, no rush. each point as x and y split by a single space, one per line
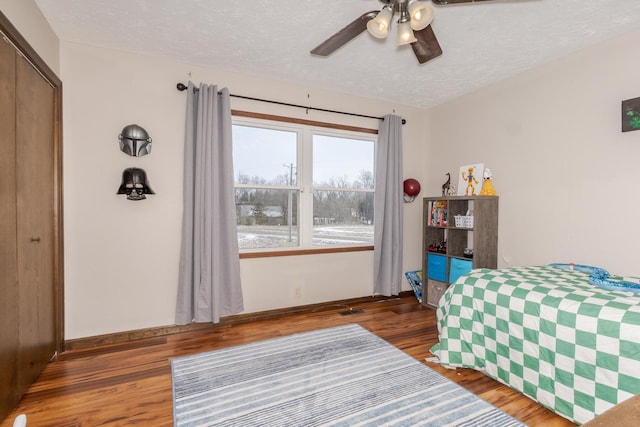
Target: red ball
411 187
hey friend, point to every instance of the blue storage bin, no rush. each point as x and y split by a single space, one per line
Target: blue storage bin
458 268
437 267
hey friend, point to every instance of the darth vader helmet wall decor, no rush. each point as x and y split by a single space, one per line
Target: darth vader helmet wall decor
134 141
135 184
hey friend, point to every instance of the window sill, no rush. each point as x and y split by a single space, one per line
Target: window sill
295 252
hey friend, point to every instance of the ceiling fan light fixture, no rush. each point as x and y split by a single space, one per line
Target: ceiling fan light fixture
379 26
421 14
405 34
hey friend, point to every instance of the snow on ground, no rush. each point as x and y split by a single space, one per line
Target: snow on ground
274 236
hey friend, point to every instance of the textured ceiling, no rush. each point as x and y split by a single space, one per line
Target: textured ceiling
482 42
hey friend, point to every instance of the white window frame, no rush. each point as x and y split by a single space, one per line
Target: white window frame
304 181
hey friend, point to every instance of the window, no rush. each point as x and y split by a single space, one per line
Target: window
298 186
342 191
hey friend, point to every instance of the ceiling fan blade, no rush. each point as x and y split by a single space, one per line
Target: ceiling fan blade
445 2
427 46
340 38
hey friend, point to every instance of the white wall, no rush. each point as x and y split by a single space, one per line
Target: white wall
121 257
31 23
566 175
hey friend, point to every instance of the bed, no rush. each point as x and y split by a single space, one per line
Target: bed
546 332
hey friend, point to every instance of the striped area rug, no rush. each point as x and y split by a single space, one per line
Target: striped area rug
342 376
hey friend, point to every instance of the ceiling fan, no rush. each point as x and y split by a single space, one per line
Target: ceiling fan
414 27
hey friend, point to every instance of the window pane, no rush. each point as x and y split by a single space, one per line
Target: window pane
264 156
272 203
267 218
342 162
342 218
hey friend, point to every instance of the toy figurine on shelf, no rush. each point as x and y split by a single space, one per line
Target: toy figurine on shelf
487 185
440 247
471 182
447 185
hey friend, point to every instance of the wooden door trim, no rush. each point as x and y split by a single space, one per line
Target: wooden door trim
26 50
29 52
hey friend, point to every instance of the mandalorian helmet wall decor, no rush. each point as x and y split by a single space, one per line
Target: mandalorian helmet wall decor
134 141
134 184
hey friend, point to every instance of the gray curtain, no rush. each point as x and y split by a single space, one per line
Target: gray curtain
209 280
387 237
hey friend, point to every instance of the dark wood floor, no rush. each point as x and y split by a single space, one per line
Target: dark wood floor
130 383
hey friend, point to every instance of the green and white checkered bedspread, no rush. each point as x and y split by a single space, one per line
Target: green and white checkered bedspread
546 332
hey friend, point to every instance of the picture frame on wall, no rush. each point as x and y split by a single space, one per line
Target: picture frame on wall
470 179
631 114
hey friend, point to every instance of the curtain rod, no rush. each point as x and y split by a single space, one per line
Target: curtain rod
181 87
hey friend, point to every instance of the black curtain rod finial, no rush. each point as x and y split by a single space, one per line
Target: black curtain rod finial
181 87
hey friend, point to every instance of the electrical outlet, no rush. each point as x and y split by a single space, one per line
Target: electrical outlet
297 292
